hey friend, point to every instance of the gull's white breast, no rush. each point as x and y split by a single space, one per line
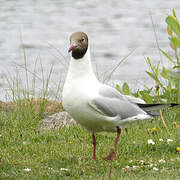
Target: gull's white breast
76 97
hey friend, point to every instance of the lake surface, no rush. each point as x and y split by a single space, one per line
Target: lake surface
115 29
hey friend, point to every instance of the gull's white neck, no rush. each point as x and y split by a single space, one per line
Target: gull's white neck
81 68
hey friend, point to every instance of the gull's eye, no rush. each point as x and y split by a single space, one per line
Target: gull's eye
83 39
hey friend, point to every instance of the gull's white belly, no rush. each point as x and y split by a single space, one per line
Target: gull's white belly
76 103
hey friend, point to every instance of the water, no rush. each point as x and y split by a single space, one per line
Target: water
115 28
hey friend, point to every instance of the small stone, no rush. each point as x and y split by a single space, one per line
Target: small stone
56 120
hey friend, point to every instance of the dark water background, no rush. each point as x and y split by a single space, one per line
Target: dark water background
115 28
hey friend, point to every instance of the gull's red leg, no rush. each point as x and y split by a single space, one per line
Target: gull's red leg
117 138
112 154
94 145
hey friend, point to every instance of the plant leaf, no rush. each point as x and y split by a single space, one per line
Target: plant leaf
173 46
169 87
167 56
164 73
156 79
173 23
126 89
145 96
174 67
169 31
151 75
174 13
176 41
150 64
157 70
118 88
173 75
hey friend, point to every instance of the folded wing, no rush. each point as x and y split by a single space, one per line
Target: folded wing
111 103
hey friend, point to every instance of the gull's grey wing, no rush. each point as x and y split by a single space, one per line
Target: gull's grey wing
108 91
111 103
134 100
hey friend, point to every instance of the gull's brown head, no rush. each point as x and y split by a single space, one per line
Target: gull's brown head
78 44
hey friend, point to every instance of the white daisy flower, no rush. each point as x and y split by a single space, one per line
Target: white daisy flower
150 141
141 161
64 169
162 161
126 168
27 169
155 169
169 140
150 165
25 142
135 167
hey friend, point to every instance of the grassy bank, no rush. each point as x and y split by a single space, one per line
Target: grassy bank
66 153
146 150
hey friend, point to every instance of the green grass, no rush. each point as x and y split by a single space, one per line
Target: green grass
45 153
66 153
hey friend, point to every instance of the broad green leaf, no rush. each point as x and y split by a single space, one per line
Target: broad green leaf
164 73
173 23
176 67
136 94
145 96
176 41
126 89
172 45
118 88
174 13
167 56
169 31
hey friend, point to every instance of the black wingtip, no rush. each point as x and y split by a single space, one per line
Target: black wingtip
174 104
152 113
151 105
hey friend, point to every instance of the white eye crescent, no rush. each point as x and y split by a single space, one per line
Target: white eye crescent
83 39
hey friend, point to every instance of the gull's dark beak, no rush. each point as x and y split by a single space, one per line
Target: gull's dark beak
71 48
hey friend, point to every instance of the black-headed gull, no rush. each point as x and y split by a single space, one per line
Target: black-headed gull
94 105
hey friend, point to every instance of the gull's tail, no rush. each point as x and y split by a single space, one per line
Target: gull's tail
150 108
